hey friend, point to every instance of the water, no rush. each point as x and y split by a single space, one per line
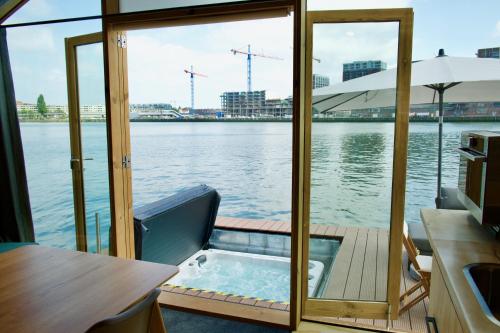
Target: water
248 163
239 275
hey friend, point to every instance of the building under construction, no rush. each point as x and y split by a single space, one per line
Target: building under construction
243 104
254 104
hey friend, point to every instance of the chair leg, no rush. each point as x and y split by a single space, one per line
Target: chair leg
413 302
156 322
411 290
426 280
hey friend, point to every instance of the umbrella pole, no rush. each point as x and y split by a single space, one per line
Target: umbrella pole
440 147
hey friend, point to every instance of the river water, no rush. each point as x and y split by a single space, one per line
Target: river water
248 163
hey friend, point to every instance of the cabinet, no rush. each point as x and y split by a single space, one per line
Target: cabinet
441 306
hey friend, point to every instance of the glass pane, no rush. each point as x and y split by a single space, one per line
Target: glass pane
351 160
39 73
43 10
196 120
136 6
46 150
94 145
358 4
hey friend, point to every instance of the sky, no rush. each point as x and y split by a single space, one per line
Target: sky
157 58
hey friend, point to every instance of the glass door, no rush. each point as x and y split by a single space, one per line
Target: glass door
356 126
89 148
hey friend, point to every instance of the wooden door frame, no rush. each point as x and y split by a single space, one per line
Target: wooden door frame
71 45
298 128
118 129
202 15
317 308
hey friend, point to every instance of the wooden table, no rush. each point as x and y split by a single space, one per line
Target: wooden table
52 290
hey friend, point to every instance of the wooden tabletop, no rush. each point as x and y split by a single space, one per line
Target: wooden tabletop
53 290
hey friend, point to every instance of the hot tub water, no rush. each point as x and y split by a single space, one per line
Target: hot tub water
243 274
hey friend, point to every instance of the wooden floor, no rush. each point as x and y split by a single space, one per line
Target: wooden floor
358 273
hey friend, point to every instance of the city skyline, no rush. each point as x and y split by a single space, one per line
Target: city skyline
158 57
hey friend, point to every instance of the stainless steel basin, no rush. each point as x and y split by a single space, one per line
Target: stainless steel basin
484 280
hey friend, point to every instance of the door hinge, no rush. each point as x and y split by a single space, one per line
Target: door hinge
126 162
74 163
122 41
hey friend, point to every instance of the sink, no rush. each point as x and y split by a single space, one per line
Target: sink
484 280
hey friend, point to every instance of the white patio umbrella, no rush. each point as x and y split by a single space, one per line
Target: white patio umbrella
441 79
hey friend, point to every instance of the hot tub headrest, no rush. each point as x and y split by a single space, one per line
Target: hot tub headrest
170 230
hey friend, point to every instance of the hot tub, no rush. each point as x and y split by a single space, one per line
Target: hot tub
244 274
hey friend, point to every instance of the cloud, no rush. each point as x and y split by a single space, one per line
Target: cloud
335 44
23 39
158 57
157 60
33 10
56 75
497 30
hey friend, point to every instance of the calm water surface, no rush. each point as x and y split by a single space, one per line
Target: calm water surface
248 163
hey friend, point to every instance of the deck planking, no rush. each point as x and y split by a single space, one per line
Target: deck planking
358 273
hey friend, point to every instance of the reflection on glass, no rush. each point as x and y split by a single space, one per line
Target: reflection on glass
351 160
94 146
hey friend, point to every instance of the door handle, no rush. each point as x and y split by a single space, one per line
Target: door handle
88 159
471 154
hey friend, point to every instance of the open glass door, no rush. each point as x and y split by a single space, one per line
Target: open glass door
354 170
88 135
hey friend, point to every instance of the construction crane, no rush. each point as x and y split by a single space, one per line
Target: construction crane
249 55
192 74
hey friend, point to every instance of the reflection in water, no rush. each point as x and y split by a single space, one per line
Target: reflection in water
362 154
421 176
350 172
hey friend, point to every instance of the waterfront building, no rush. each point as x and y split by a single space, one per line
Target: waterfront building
278 108
151 107
208 113
27 111
158 114
466 110
93 112
320 81
356 69
244 103
254 105
492 52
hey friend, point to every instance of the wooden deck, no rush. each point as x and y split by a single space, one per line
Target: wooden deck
358 273
233 307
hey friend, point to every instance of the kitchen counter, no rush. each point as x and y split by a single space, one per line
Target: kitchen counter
458 240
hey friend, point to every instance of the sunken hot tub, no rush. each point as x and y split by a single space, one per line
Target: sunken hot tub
243 274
